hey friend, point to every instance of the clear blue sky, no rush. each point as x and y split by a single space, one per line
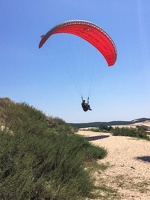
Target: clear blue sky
40 77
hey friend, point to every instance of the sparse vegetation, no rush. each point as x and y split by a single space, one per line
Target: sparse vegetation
105 128
131 132
101 128
138 132
43 158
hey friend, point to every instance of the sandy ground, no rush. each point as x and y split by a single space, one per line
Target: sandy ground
145 123
129 165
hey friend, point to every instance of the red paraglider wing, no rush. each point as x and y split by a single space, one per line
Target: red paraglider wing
89 32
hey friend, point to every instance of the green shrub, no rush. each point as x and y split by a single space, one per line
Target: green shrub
102 128
41 159
37 167
105 128
132 132
88 151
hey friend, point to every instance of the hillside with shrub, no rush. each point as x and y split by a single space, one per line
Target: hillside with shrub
41 157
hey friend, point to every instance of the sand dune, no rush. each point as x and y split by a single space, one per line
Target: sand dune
129 161
135 124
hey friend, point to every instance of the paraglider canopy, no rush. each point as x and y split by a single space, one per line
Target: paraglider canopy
89 32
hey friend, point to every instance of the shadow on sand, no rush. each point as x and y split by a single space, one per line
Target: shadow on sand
144 158
98 137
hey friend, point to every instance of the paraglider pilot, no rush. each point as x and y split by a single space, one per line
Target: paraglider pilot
85 106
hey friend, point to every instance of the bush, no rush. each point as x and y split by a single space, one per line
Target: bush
48 167
132 132
41 159
102 128
105 128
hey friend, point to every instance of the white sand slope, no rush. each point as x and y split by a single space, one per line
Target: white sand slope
129 161
135 124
